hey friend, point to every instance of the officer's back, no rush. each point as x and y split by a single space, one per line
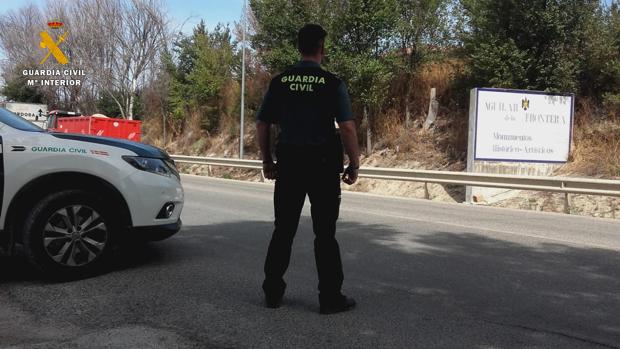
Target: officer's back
304 101
307 98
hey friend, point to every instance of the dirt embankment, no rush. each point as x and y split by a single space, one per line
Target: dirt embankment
430 157
595 153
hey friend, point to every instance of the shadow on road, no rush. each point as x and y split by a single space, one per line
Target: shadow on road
414 288
14 269
536 288
135 255
540 287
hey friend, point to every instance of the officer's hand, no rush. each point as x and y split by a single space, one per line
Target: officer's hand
350 175
269 170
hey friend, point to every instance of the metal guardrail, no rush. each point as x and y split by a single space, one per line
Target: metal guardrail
565 185
225 162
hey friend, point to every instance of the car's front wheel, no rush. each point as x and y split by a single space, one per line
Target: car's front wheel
68 234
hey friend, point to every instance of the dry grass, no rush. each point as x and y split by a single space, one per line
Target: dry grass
444 146
440 76
596 146
152 131
433 149
596 150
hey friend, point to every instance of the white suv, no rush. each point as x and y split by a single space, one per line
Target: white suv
66 199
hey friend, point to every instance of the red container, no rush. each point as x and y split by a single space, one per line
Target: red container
97 126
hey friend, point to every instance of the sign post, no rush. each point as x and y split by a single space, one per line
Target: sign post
517 132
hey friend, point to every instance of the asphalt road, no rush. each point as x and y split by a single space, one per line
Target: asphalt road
425 275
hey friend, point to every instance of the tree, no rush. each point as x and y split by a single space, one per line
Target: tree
360 47
118 41
16 88
202 69
276 23
610 58
19 41
107 105
538 46
115 41
422 25
19 36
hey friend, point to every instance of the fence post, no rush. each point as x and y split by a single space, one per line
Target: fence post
427 194
433 108
566 203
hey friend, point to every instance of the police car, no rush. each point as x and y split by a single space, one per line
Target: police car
67 199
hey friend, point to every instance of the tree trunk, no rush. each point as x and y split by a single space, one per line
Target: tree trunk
163 115
132 96
407 108
130 107
120 107
433 108
407 114
368 132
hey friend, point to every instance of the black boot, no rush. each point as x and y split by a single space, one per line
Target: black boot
274 291
336 304
273 302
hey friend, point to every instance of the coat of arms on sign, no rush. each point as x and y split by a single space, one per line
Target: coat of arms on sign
525 104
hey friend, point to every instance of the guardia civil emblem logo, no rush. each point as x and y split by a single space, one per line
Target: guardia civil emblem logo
53 46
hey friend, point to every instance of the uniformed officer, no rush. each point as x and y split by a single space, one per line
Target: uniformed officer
304 101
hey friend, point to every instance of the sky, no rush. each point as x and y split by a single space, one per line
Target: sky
189 12
184 14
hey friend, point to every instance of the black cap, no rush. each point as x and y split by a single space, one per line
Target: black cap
310 38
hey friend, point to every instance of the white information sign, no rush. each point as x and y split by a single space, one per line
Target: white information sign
28 111
523 126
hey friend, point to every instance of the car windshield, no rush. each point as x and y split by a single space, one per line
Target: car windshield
17 122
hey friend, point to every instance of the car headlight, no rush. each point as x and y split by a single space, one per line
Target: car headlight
173 168
157 166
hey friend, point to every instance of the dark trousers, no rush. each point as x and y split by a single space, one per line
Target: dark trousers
298 175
